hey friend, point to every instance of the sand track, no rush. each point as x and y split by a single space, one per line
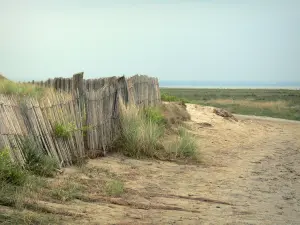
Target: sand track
250 175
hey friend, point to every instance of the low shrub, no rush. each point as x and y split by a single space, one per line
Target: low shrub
114 188
10 172
37 162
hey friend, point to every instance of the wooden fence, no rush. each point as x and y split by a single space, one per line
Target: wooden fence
20 118
140 89
88 109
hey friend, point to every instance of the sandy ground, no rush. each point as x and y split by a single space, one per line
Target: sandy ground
250 175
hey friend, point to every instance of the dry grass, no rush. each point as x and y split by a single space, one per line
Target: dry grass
251 103
8 87
26 217
66 189
175 113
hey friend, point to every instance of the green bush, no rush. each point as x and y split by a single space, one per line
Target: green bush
12 180
10 172
64 130
37 162
155 115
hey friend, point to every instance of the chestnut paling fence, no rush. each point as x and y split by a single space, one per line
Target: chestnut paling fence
87 109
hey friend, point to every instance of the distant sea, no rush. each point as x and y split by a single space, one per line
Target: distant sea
228 84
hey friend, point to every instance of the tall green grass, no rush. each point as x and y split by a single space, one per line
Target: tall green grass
16 182
36 161
140 136
184 146
143 135
10 172
12 180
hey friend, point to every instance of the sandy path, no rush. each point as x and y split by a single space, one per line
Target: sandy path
250 175
263 179
263 118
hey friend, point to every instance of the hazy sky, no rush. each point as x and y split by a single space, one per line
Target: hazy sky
179 40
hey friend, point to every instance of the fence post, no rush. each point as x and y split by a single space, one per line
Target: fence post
78 92
77 84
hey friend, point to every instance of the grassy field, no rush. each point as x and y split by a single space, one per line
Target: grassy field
8 87
261 102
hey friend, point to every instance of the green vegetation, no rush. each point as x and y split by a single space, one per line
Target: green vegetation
172 98
67 190
9 172
184 146
261 102
155 115
114 188
20 200
11 88
140 136
93 172
143 135
22 187
28 218
16 182
64 130
12 180
37 162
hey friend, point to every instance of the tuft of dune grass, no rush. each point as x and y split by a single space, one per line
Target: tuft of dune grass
140 136
143 135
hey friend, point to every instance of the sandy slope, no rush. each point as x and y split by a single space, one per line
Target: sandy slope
250 175
261 173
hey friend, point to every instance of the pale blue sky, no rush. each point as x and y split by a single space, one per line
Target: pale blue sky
173 40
